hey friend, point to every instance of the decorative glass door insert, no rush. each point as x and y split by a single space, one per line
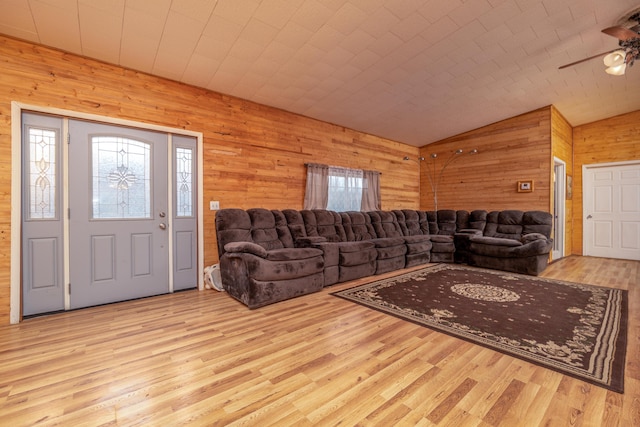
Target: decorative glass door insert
121 178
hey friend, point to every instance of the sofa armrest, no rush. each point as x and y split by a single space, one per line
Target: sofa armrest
532 237
246 247
495 241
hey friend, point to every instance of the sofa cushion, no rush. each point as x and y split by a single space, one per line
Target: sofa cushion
232 225
388 242
385 224
263 229
391 251
477 219
262 269
295 224
441 238
357 226
350 259
290 254
419 247
495 241
531 249
504 224
410 223
447 219
324 223
537 222
347 247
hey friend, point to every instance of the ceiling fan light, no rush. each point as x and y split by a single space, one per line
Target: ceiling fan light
615 59
617 70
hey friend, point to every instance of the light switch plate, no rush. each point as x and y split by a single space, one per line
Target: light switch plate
214 205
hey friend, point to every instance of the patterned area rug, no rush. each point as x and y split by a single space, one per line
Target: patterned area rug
578 330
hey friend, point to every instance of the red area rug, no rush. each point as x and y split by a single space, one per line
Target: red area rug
575 329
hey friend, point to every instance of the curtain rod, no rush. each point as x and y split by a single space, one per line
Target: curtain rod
340 167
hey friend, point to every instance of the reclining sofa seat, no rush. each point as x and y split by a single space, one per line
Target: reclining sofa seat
388 240
259 264
442 226
344 260
415 228
514 241
475 224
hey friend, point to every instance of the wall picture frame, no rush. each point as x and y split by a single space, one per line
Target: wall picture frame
525 186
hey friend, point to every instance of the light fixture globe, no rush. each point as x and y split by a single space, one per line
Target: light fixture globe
615 59
617 70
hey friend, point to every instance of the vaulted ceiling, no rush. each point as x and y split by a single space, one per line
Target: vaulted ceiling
415 71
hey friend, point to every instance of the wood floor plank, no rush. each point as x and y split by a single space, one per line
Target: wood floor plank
203 359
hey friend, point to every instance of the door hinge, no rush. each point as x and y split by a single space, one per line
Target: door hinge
69 288
68 213
68 138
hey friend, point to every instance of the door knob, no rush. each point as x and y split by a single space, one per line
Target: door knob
163 226
589 217
161 214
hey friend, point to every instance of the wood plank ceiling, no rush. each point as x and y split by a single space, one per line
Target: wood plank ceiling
415 71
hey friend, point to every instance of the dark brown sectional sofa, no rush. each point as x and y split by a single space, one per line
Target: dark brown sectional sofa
268 256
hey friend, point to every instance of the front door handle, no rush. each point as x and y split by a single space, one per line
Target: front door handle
589 217
163 226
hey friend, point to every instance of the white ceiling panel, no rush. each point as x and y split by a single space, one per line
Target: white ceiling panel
415 71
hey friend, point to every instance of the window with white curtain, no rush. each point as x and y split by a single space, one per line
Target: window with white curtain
341 189
345 189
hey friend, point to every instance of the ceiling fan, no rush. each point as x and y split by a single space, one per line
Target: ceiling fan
617 60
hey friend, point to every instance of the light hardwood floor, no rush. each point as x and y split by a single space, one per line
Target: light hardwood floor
201 358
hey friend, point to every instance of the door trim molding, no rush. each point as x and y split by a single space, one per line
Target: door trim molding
585 169
561 185
15 304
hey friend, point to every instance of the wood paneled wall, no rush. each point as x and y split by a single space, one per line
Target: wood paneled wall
562 148
509 151
254 155
616 139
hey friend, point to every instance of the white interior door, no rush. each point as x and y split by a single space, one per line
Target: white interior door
118 213
612 211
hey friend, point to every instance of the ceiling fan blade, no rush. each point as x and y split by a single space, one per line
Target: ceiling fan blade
584 60
621 33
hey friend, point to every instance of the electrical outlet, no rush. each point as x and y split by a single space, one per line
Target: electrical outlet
214 205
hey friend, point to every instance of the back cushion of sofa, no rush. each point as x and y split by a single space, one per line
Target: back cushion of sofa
504 224
447 222
423 220
263 229
385 224
232 225
360 226
295 223
477 219
402 222
537 222
413 222
324 223
462 220
284 235
432 221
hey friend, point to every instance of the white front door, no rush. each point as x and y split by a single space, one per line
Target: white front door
611 214
118 213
